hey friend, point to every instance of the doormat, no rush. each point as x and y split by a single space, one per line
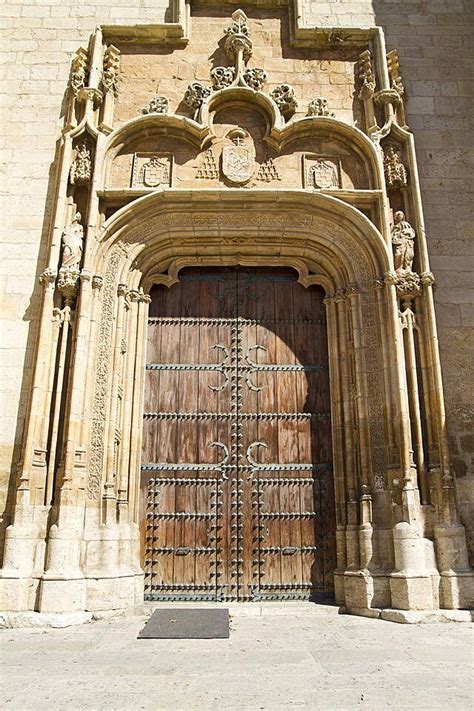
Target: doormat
186 623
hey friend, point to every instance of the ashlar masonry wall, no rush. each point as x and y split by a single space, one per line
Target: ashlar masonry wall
434 39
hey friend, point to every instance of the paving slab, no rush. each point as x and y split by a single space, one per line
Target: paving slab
296 657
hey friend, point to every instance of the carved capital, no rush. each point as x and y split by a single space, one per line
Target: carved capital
68 282
408 285
47 277
89 94
427 278
390 278
85 275
352 290
122 290
97 282
340 295
387 96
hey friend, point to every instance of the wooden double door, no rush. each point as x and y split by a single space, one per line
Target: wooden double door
237 490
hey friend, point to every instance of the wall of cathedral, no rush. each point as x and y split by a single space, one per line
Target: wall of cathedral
433 38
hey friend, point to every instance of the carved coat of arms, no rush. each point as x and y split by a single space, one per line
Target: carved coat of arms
324 175
237 163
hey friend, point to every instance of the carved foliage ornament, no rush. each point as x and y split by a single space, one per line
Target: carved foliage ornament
195 95
319 107
158 105
395 171
284 98
255 78
81 167
222 77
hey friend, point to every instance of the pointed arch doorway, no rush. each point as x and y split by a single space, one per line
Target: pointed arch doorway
237 498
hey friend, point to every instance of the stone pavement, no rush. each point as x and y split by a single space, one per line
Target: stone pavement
278 657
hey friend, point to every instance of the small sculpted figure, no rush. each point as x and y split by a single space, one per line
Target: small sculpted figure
403 241
73 238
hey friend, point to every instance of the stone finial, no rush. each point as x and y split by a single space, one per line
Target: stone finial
366 75
77 76
81 167
255 78
158 105
319 107
238 39
394 170
222 77
196 94
403 242
111 73
284 98
393 64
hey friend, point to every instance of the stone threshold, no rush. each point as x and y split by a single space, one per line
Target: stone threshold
410 617
58 620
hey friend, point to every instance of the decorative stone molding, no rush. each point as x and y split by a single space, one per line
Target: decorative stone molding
111 73
222 77
238 39
394 170
428 279
195 95
79 65
158 105
255 78
284 98
94 96
319 107
68 282
81 167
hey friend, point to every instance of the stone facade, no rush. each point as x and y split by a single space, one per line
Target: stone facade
314 64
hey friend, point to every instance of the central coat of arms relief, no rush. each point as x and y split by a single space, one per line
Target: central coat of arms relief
238 158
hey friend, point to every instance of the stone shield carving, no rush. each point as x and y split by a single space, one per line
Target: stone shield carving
237 164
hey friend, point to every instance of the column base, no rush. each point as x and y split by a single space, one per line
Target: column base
62 594
414 592
363 589
114 592
17 594
457 590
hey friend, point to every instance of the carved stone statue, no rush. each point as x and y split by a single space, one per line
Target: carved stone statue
73 239
403 241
